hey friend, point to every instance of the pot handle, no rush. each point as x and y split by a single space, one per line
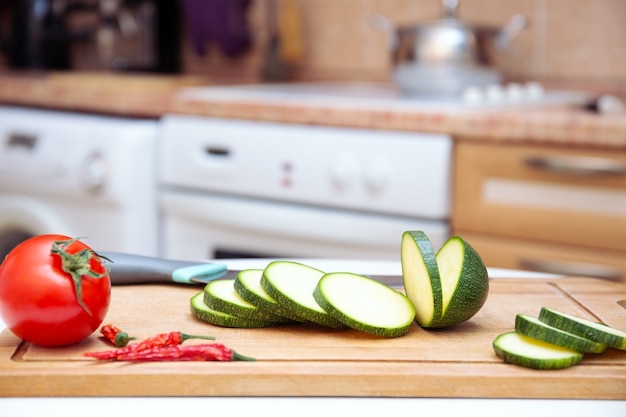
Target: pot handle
516 24
386 26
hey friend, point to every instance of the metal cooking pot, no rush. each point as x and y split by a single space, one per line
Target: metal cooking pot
446 55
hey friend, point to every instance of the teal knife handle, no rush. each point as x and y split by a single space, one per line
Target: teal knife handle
126 269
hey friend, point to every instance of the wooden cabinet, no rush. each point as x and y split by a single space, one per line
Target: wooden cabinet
552 209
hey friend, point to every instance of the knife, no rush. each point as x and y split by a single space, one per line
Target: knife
128 269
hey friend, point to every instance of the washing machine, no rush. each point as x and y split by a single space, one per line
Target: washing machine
82 175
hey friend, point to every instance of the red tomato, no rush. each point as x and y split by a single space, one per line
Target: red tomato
39 301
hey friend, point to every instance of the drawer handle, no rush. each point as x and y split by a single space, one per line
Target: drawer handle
580 166
572 269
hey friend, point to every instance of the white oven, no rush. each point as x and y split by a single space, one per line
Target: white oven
233 188
81 175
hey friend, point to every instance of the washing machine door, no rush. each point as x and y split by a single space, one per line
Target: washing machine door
22 217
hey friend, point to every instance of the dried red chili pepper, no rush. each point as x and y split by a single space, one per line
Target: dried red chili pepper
168 339
158 341
115 335
198 352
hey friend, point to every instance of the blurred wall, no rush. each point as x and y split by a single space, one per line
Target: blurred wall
581 42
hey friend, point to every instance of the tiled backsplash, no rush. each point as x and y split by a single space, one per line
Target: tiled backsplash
578 42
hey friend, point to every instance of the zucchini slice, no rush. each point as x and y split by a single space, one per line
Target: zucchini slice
220 295
517 349
201 311
536 329
248 286
588 329
292 285
420 275
464 281
365 304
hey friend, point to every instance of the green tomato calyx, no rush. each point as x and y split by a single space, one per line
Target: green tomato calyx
77 265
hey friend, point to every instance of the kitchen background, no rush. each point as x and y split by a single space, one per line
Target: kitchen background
572 43
567 42
522 181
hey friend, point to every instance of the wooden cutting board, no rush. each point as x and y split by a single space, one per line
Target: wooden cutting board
307 360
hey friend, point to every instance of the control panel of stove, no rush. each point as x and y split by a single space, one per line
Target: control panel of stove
401 173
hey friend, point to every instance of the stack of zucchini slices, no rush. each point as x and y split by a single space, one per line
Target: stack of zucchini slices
291 292
555 340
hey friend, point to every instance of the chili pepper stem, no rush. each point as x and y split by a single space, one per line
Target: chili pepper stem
239 357
122 339
184 337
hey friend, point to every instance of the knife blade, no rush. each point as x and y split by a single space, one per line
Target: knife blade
127 269
130 269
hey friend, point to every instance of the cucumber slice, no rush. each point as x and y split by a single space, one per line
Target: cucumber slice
201 311
464 281
517 349
536 329
588 329
365 304
248 286
292 285
420 274
220 295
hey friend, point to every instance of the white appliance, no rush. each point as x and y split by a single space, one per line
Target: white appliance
233 188
243 188
81 175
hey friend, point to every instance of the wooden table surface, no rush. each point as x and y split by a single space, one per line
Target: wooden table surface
308 360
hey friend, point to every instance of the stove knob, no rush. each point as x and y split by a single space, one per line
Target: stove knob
344 170
494 93
534 90
377 175
94 173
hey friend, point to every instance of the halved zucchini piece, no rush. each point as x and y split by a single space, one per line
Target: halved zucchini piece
517 349
464 281
446 288
365 304
420 275
533 327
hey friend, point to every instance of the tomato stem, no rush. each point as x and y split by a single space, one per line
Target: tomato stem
77 265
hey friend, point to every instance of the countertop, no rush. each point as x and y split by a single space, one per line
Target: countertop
150 96
129 95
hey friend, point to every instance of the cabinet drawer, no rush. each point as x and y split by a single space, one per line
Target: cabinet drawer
545 194
509 253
